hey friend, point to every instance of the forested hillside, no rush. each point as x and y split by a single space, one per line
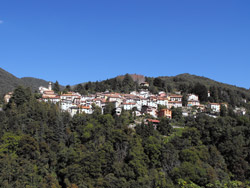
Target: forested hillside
40 146
184 83
9 82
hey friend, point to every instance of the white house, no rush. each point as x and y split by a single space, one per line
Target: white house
174 97
162 101
175 104
215 107
53 99
129 106
192 97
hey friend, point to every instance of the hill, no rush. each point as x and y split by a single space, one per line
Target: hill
42 146
184 83
8 82
34 83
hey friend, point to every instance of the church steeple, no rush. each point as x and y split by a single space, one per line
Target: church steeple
50 86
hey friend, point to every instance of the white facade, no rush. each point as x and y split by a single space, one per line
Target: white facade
192 97
175 104
215 107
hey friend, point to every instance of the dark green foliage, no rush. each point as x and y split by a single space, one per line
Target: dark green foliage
176 113
56 87
67 89
202 92
184 99
109 108
80 89
20 96
164 127
40 146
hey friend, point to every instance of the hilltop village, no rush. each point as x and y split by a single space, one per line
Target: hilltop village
142 103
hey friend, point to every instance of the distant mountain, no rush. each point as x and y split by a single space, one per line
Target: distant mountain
34 83
8 82
189 79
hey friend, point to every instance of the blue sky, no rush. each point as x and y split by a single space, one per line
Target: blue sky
75 41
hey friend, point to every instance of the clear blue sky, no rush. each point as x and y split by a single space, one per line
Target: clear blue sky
75 41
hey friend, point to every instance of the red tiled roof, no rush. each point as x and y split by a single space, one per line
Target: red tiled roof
153 120
84 107
174 102
175 96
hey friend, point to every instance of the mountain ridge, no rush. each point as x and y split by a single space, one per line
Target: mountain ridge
8 81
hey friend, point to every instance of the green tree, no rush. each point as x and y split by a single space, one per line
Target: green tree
164 127
21 95
201 90
56 87
67 89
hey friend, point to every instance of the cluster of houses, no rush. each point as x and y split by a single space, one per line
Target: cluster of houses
142 102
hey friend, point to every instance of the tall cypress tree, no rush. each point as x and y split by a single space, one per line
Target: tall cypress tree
56 87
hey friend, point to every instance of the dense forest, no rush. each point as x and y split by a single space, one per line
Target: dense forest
40 146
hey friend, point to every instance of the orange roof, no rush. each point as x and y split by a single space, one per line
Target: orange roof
165 109
84 107
175 96
174 102
153 120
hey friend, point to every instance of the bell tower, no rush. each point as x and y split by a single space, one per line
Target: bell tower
50 86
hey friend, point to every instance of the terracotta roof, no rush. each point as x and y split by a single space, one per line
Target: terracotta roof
174 102
162 98
84 107
165 109
153 120
175 96
50 97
